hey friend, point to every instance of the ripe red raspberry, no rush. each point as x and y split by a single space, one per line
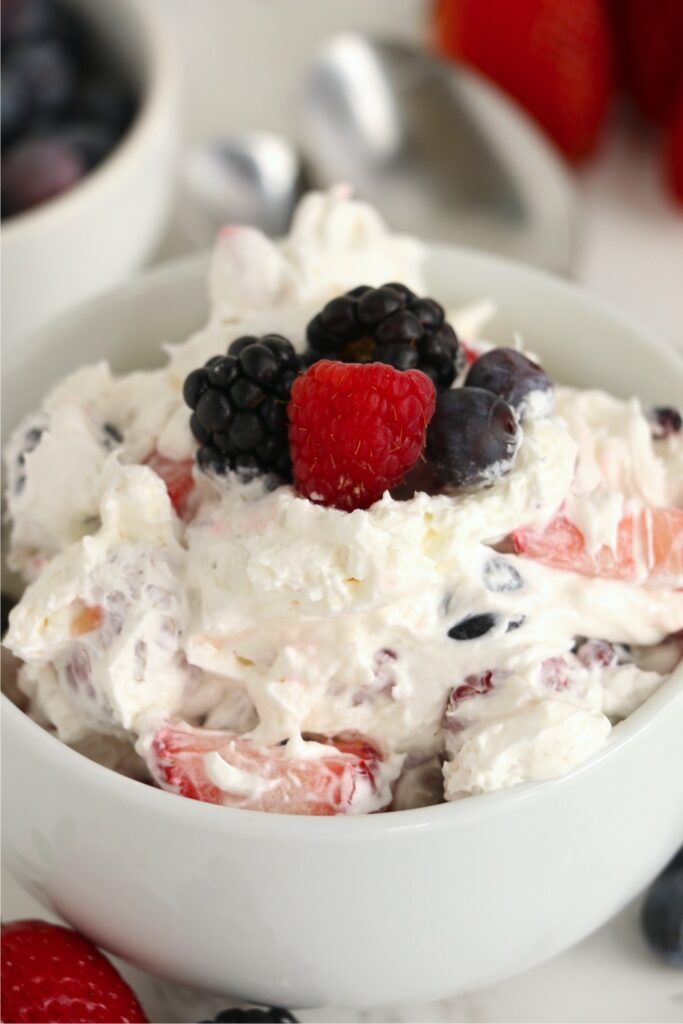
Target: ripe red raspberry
54 974
355 429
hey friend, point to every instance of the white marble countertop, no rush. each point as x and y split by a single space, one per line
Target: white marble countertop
632 254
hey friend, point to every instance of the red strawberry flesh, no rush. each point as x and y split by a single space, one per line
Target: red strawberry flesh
265 778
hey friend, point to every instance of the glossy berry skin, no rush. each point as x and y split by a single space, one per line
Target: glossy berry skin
239 404
53 974
472 439
36 170
662 913
387 325
355 430
510 375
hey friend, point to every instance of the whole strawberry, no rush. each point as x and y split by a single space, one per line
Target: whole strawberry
356 429
553 56
649 38
50 973
673 149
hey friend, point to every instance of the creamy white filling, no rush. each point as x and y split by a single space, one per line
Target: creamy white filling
269 616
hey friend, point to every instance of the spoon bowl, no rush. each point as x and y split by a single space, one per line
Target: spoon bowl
438 150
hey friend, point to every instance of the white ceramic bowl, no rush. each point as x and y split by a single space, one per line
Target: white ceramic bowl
93 236
349 911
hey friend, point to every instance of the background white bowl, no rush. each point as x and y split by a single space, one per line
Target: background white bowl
93 236
349 911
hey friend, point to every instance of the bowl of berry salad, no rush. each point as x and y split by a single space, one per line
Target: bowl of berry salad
349 615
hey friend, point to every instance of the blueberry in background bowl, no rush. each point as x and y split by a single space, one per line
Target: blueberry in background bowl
107 211
65 102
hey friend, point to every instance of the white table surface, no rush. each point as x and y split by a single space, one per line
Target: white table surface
632 254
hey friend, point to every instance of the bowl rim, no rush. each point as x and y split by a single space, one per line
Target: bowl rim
159 63
360 826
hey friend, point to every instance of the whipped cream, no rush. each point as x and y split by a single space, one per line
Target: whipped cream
273 618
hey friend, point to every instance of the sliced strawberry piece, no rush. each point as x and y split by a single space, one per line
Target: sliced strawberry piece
473 686
87 618
264 778
177 475
555 674
471 355
649 545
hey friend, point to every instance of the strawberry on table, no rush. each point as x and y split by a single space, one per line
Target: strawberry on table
176 474
50 973
356 429
553 56
673 148
649 37
649 547
263 778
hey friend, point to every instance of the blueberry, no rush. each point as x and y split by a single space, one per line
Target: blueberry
472 627
36 170
49 75
472 438
15 104
511 376
92 141
515 623
112 436
30 20
106 102
662 913
664 422
501 577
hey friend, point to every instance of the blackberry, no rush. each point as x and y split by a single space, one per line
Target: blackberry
239 407
387 325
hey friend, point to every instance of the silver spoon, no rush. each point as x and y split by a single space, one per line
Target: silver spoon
255 178
440 152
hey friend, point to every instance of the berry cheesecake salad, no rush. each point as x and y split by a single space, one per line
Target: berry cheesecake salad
341 555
